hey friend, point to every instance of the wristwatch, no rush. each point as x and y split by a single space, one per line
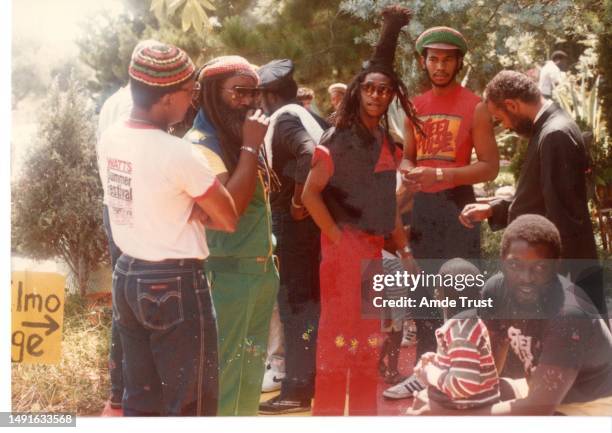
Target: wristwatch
439 174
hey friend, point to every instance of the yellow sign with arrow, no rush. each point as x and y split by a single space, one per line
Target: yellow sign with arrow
37 310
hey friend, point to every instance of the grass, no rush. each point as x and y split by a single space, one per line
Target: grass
80 382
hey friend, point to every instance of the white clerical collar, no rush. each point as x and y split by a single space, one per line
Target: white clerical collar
545 106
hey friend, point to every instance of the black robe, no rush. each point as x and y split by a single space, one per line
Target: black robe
552 183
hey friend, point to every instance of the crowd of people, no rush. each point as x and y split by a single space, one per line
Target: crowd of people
226 198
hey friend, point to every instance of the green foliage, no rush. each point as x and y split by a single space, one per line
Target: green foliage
500 33
329 39
57 208
584 105
491 246
605 62
315 34
520 153
28 75
193 15
106 46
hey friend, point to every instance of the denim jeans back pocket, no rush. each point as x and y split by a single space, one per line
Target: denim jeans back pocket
160 303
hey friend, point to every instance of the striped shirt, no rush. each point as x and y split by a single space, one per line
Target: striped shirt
464 351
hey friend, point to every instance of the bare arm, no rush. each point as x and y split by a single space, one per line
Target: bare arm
487 166
409 154
219 208
315 183
241 184
297 208
399 234
547 389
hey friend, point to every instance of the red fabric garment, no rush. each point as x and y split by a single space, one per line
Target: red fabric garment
447 123
464 352
347 345
388 159
321 153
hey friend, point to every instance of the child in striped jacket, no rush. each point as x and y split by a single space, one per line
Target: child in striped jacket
461 374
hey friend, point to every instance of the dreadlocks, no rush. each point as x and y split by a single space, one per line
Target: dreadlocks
227 121
228 124
348 111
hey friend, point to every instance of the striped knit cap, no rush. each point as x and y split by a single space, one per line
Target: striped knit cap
442 38
160 65
230 64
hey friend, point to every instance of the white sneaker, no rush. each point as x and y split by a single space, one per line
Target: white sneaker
404 389
272 379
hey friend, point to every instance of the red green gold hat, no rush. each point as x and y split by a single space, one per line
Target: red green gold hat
160 65
444 38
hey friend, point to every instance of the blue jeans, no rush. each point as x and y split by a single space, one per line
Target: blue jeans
116 351
168 330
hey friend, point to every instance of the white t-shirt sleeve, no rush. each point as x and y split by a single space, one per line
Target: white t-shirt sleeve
191 171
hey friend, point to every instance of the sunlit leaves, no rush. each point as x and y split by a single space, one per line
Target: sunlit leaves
193 14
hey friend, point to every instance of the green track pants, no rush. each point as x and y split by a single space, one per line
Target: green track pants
243 303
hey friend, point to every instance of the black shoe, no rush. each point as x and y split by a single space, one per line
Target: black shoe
279 405
115 401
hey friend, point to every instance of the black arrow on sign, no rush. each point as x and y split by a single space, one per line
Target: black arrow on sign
51 324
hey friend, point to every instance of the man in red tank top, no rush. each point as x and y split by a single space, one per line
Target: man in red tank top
437 166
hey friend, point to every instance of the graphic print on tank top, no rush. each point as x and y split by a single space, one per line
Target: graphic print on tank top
440 140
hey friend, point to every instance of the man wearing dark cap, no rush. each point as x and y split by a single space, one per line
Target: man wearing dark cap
241 270
161 301
552 72
290 142
437 166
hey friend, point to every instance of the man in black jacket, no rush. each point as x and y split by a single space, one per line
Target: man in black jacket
552 179
292 137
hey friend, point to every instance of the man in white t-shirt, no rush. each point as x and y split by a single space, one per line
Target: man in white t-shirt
551 73
161 300
116 108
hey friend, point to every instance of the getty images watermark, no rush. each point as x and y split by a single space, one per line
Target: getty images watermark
434 284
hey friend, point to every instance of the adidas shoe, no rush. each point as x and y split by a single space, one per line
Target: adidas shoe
404 389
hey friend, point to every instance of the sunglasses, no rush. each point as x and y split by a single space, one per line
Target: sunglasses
242 92
383 90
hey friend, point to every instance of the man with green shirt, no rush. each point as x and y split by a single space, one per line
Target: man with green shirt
241 270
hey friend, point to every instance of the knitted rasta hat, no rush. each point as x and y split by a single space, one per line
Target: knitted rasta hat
444 38
160 65
394 18
229 64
